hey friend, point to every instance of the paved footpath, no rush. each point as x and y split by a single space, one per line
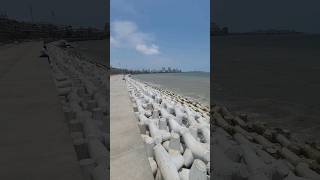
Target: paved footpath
34 140
128 155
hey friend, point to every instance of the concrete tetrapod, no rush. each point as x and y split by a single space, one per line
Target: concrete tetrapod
196 147
167 167
226 169
156 132
159 114
82 93
198 170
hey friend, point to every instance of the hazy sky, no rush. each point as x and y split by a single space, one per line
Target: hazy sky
247 15
160 33
74 12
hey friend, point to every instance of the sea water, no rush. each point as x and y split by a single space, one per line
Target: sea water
275 79
195 85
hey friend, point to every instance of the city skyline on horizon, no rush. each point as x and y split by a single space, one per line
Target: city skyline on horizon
247 15
83 14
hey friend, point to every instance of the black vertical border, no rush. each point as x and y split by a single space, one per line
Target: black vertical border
212 60
107 31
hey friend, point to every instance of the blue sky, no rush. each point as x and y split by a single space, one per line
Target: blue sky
160 33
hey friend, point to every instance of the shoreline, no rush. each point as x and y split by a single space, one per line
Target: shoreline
191 95
278 114
202 106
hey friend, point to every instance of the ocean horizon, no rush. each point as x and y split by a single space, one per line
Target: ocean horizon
195 85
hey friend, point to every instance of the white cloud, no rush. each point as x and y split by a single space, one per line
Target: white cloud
125 34
153 49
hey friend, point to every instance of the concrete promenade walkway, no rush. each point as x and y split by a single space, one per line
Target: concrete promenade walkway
34 140
127 152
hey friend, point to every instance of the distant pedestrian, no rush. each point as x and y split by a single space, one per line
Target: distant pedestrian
44 45
45 51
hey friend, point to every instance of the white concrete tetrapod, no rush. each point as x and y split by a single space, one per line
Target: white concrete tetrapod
176 158
87 166
303 170
76 135
245 133
98 151
188 158
158 175
256 166
100 172
196 147
242 140
64 84
290 156
64 91
174 126
194 132
91 130
175 143
97 114
184 174
198 170
166 166
155 113
279 170
231 149
81 147
224 168
205 130
156 132
267 145
142 127
91 104
149 144
163 124
291 176
311 152
75 106
69 114
153 165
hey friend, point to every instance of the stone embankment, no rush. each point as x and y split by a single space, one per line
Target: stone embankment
176 136
176 132
243 149
82 87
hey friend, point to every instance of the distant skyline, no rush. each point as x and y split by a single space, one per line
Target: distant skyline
154 34
249 15
69 12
